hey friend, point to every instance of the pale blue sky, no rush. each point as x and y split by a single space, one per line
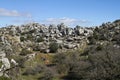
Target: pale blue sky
81 12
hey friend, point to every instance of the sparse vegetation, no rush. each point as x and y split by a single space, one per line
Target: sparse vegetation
47 75
33 71
4 78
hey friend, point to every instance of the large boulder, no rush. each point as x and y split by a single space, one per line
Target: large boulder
58 41
2 38
6 63
69 39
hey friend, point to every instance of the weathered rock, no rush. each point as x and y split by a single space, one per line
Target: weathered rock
69 39
14 62
2 38
6 63
69 31
59 41
69 46
47 35
79 31
2 54
47 51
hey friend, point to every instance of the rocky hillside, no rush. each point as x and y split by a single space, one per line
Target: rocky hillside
41 36
22 46
107 33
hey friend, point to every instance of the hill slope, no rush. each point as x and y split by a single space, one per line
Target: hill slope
59 52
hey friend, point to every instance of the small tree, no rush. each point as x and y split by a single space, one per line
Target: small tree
53 47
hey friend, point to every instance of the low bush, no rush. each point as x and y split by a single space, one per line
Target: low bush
24 52
40 39
33 71
22 38
4 78
53 47
47 75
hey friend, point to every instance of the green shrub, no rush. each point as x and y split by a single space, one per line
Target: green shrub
91 40
34 71
40 39
4 78
22 38
24 52
53 47
21 62
29 37
99 47
47 75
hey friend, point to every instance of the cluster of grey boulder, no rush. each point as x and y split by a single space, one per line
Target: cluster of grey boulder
66 37
39 36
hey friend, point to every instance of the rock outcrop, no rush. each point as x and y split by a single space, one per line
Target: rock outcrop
41 35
